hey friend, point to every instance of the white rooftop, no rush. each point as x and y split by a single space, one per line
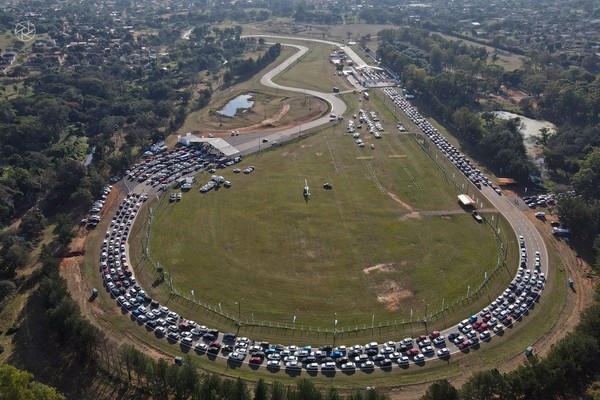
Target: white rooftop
219 144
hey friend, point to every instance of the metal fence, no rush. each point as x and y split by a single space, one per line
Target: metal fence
253 325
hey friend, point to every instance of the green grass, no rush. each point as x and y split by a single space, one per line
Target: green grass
272 192
508 61
313 70
239 235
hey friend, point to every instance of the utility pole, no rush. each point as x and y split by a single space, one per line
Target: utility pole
335 321
239 319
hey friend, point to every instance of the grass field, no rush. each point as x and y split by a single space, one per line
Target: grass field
313 70
239 234
508 61
267 103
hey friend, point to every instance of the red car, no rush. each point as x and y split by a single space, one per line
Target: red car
434 335
482 327
463 345
215 344
255 360
412 352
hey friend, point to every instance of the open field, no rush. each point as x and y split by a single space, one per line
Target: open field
313 70
307 162
272 108
508 61
382 214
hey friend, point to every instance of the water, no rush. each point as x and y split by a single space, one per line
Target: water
89 157
240 102
531 127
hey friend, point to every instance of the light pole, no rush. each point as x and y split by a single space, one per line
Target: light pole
425 318
335 321
239 321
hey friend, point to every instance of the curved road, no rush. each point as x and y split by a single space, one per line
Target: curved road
517 219
522 226
338 107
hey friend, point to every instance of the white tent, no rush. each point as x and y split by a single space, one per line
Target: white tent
218 144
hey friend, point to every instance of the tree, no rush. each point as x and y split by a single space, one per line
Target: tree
239 390
6 288
306 390
261 390
278 391
587 180
535 85
467 124
483 385
16 257
494 58
32 225
436 58
17 385
333 394
441 390
544 135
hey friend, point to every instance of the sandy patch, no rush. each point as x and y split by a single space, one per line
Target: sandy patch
412 215
391 294
403 204
387 267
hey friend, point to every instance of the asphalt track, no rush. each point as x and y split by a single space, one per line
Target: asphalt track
517 219
251 143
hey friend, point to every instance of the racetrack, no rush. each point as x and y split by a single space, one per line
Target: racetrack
520 223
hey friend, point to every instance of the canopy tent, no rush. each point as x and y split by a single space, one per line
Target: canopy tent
466 201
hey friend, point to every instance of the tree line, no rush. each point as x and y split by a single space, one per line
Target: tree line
166 379
243 69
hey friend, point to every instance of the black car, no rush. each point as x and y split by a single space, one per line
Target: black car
210 337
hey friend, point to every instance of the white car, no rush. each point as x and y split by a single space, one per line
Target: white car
419 358
445 352
201 347
349 366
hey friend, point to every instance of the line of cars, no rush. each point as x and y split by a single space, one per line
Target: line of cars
512 304
371 75
116 272
119 280
118 277
454 156
94 213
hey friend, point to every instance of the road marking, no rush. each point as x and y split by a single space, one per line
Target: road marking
397 156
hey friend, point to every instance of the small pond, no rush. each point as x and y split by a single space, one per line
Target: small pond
241 102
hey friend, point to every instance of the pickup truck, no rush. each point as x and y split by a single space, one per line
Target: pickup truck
477 217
